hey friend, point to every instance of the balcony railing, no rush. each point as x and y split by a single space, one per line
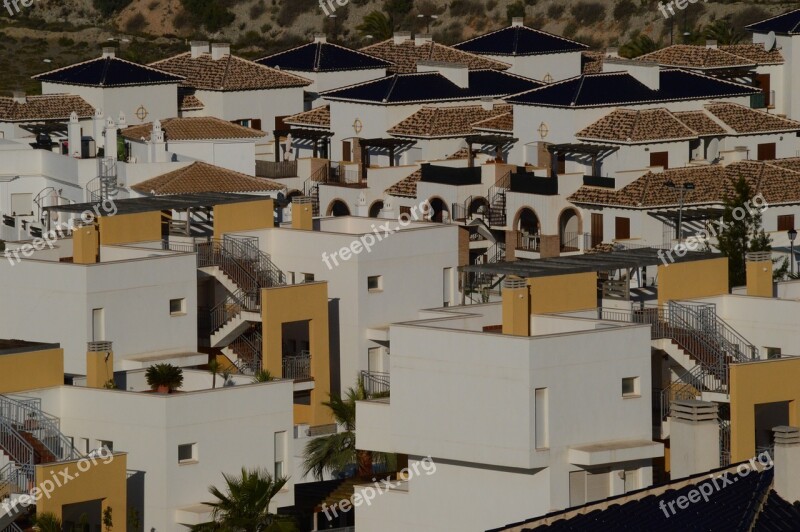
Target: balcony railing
297 366
529 242
376 383
273 170
570 241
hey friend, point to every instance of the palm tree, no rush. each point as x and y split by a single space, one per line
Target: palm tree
263 375
335 452
378 25
723 32
164 377
47 522
639 45
213 367
244 506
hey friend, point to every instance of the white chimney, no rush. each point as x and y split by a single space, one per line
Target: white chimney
694 437
220 50
646 72
109 52
402 36
711 43
612 51
19 97
320 38
517 22
98 129
159 147
422 38
74 135
110 149
198 48
458 73
487 104
122 122
787 463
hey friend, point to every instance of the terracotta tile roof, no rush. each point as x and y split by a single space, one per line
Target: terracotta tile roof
194 128
778 181
318 117
755 53
45 107
502 123
189 102
628 125
462 153
204 177
406 55
406 187
742 119
700 122
698 57
229 73
456 121
592 62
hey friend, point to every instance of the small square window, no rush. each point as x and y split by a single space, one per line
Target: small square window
308 277
375 283
630 387
177 307
106 444
773 352
187 453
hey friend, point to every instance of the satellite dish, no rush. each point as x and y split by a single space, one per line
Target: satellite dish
769 44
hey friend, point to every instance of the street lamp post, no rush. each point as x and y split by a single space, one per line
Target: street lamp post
685 188
792 236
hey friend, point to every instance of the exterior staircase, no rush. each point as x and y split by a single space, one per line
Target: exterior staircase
28 437
497 201
105 186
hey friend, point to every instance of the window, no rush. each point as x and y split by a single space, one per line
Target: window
660 158
187 453
622 228
375 283
21 204
177 307
83 445
308 277
785 222
98 325
280 453
766 152
107 444
630 387
773 352
542 421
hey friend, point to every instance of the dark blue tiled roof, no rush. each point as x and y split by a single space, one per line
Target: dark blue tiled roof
621 88
433 87
107 72
786 24
322 57
519 40
777 515
731 508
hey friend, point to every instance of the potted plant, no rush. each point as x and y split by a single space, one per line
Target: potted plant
164 378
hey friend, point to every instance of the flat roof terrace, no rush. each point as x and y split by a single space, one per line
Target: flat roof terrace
160 203
11 347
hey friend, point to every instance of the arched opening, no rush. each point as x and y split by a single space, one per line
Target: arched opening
338 208
293 194
569 228
375 209
477 206
528 229
438 210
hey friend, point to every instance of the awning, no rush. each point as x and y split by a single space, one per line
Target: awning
614 451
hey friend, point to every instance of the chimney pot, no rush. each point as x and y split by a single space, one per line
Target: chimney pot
20 97
401 36
220 50
422 38
198 48
711 43
516 22
109 52
320 38
694 433
787 463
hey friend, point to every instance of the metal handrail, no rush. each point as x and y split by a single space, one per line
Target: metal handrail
12 528
16 478
497 198
43 427
14 445
297 366
233 305
375 382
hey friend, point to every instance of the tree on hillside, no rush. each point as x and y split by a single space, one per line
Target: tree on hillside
378 25
639 45
723 32
740 231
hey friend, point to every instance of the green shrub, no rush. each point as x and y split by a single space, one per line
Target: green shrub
586 13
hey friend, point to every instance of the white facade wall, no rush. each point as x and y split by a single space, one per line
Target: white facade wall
53 302
160 101
559 66
264 105
325 81
150 427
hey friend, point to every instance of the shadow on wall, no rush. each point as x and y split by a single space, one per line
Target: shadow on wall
333 332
